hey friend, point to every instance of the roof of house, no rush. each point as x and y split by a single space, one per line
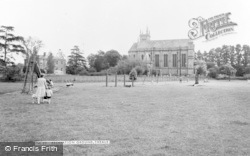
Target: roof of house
162 44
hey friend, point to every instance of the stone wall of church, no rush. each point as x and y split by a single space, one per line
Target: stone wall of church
170 69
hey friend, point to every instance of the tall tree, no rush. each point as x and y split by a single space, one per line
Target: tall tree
205 56
76 62
32 47
50 63
225 54
211 55
238 50
9 42
218 56
199 55
232 56
91 60
98 61
112 57
200 68
246 55
101 62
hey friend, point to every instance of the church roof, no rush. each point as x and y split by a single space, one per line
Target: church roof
162 44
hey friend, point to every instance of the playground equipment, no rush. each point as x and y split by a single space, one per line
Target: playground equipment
32 68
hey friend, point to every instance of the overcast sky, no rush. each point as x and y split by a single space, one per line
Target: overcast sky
115 24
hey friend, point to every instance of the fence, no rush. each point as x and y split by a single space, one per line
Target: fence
112 78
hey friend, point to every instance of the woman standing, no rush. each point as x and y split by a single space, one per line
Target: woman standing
41 88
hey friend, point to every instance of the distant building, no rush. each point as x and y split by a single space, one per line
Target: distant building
60 64
168 56
59 60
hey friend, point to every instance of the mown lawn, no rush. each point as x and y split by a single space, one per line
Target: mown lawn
9 87
154 119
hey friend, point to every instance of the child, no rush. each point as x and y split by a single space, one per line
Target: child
48 95
34 97
51 83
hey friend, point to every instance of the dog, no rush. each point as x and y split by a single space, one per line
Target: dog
34 98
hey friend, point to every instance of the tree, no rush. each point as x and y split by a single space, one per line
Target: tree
211 55
133 75
227 69
225 54
124 57
112 57
246 54
199 55
238 50
9 42
91 60
32 47
232 56
76 62
50 64
200 68
218 56
98 61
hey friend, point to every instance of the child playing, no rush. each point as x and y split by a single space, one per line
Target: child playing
34 97
48 95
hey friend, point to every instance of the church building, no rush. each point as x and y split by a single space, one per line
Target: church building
175 57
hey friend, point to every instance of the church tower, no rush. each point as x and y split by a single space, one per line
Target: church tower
145 37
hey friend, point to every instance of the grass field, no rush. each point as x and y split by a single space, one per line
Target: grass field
153 119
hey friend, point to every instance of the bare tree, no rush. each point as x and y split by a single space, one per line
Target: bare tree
32 46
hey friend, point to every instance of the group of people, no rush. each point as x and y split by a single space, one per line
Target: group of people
43 90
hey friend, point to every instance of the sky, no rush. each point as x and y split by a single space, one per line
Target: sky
96 25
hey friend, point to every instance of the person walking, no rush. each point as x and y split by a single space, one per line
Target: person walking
41 89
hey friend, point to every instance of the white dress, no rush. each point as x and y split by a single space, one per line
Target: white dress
40 92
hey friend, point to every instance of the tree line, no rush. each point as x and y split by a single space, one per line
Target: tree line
237 57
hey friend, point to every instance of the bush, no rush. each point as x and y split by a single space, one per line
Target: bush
210 65
84 72
112 70
133 75
240 71
125 66
140 70
247 70
101 73
12 73
91 70
226 69
213 72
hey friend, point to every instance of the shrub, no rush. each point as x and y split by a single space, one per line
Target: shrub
226 69
213 72
247 70
12 73
210 65
240 71
101 73
140 70
133 75
125 66
91 70
83 72
112 70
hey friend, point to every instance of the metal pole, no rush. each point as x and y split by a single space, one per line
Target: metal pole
180 61
107 79
124 78
115 79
